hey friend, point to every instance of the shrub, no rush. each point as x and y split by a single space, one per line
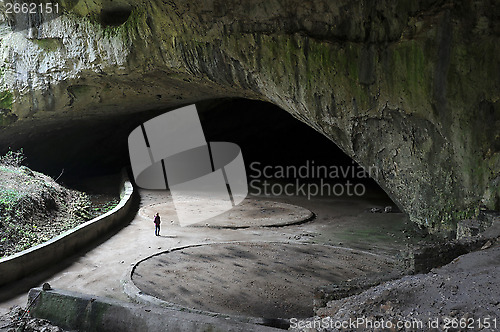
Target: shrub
12 158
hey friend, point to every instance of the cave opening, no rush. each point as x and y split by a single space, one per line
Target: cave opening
273 143
280 148
266 268
114 17
342 233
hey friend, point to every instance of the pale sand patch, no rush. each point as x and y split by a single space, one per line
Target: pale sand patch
249 213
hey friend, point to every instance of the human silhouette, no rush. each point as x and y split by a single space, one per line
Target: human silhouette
157 222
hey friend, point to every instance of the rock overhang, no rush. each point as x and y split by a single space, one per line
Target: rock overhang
408 88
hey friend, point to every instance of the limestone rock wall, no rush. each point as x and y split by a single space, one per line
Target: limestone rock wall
411 87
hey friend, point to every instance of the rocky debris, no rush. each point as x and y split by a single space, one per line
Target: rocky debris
466 291
19 320
470 228
423 258
487 245
418 259
350 287
387 209
40 325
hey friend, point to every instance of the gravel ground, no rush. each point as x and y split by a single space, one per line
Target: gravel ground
461 296
19 320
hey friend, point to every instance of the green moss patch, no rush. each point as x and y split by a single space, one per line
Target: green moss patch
6 100
49 44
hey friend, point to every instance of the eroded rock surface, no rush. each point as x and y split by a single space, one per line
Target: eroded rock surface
411 88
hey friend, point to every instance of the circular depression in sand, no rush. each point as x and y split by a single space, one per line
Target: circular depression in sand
252 212
269 280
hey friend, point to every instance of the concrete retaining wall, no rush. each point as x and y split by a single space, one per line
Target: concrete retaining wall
27 261
74 311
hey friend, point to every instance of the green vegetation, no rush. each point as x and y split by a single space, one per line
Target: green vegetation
102 204
49 44
12 158
82 91
34 208
6 100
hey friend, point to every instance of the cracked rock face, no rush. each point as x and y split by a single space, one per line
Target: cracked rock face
411 88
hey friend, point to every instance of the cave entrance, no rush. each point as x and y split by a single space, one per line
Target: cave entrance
277 149
343 239
286 157
260 272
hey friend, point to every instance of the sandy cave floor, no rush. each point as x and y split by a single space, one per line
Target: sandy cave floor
251 212
340 224
255 279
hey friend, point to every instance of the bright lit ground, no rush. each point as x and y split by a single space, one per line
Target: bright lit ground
340 224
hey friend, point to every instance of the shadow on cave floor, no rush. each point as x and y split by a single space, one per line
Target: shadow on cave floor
268 137
239 272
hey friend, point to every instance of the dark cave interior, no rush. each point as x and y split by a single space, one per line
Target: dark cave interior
74 150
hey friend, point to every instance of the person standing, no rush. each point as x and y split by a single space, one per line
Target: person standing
157 222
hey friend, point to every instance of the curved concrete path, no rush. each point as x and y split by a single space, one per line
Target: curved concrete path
99 270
